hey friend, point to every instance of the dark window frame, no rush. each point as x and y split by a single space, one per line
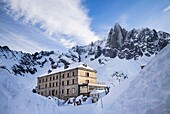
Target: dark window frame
68 91
62 83
68 82
73 81
87 74
62 91
56 92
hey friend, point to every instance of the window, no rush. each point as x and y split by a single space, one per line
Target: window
49 92
87 74
62 82
39 86
91 88
56 83
56 92
72 81
53 77
53 92
50 78
43 80
53 84
49 84
39 80
57 77
73 73
67 74
63 75
45 85
62 92
41 93
73 90
67 82
46 79
67 91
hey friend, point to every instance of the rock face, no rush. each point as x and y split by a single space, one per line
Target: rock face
119 43
22 63
126 44
116 37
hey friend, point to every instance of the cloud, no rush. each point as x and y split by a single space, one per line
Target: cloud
67 43
55 17
8 38
166 9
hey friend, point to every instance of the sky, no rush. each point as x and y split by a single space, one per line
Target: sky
58 25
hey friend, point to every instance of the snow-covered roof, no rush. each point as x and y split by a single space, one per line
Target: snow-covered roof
70 67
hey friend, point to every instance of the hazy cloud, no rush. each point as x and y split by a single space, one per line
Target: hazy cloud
67 43
15 41
166 9
63 17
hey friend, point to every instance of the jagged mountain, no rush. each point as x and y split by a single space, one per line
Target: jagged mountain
126 44
21 63
122 51
147 93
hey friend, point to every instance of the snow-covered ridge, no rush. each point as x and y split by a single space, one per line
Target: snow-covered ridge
147 93
113 64
125 44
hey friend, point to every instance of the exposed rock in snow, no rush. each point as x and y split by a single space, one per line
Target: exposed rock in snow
116 37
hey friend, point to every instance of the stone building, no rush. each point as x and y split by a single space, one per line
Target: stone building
78 79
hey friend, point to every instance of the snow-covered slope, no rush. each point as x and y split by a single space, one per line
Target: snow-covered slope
147 93
33 65
16 98
122 52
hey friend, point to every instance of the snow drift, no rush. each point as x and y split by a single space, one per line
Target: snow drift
17 99
148 93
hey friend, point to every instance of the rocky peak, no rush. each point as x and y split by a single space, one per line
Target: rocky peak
116 37
117 26
4 48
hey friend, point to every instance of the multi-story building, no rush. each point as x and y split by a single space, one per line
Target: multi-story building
71 82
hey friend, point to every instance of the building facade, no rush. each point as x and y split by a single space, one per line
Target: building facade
70 82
